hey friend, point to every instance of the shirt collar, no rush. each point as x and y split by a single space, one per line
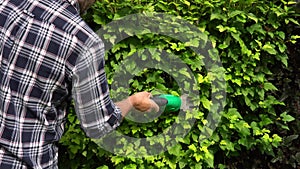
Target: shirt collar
75 4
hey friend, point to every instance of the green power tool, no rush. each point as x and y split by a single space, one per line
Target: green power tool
170 102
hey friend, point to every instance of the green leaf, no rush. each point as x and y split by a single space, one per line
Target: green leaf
282 47
286 118
265 120
235 13
159 164
185 72
193 43
148 133
192 147
243 128
252 17
237 81
222 28
283 58
218 16
294 21
200 78
227 145
281 34
209 159
175 150
198 157
276 140
295 37
103 167
225 44
117 159
247 142
269 86
187 3
256 28
269 48
222 166
206 103
171 164
233 114
74 149
130 166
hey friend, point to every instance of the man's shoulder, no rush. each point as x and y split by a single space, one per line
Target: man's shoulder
66 20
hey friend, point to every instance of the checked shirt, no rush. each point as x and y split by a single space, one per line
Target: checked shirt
48 56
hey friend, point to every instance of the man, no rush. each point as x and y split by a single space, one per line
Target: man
48 55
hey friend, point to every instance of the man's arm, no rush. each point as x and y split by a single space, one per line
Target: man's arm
97 113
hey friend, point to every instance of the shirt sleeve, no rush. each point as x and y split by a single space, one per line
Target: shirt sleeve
95 109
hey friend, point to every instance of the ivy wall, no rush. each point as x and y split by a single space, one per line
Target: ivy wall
257 42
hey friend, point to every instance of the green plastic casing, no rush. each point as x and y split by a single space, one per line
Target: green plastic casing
174 102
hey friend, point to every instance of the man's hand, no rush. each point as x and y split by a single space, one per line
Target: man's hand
142 102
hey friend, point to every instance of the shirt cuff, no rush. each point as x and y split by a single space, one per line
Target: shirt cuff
116 118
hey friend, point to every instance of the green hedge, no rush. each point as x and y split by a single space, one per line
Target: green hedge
252 39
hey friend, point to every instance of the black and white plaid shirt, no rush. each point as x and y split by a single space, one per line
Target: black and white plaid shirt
48 55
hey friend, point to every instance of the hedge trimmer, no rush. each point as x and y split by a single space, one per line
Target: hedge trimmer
169 102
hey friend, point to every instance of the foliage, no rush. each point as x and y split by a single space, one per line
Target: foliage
251 38
288 80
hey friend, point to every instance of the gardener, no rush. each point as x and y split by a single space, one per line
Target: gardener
48 55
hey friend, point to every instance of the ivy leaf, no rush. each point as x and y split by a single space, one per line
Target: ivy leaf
74 149
192 147
233 114
206 103
187 3
198 157
159 164
243 128
148 133
283 58
226 145
286 118
185 72
175 150
252 17
222 28
235 13
193 43
117 159
281 34
256 28
245 141
269 86
130 166
265 120
294 21
282 47
103 167
269 48
276 140
217 16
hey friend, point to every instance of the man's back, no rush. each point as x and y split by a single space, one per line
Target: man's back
39 44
